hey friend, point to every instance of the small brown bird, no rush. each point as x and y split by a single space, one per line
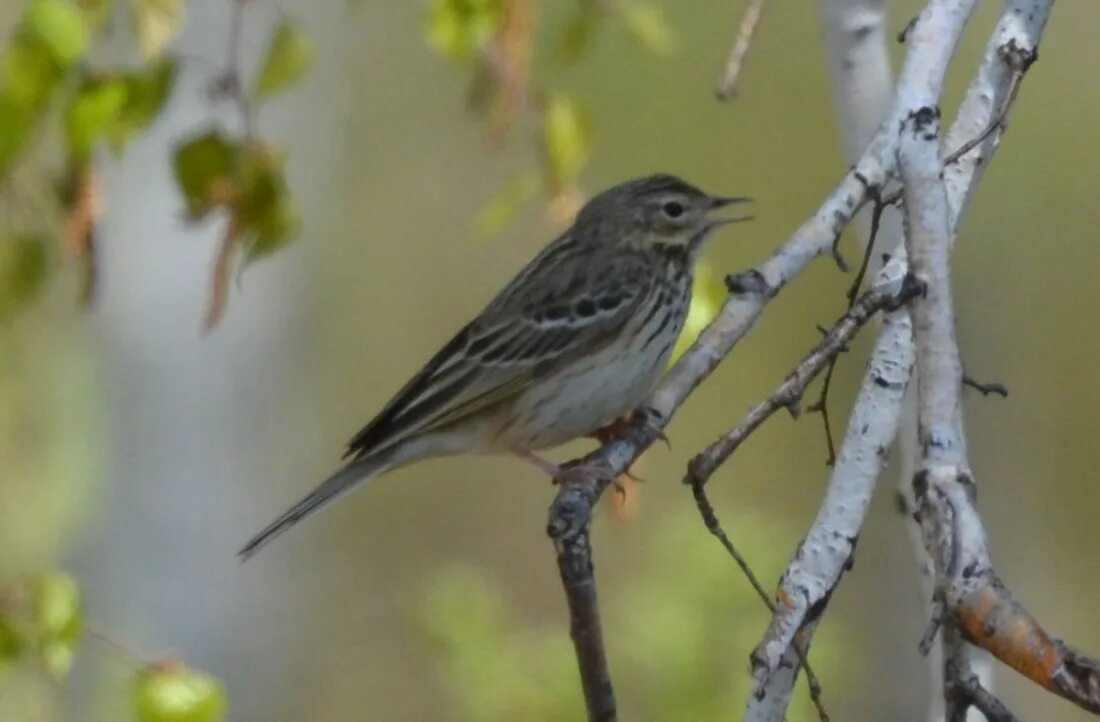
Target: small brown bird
572 344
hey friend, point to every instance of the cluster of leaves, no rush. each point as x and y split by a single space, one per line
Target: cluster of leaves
496 39
53 95
42 624
679 637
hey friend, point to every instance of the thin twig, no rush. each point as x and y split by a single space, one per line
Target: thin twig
739 50
821 406
703 466
986 388
710 520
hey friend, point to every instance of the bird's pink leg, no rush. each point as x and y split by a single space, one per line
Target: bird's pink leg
547 467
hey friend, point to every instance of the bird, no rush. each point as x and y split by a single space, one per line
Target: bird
571 345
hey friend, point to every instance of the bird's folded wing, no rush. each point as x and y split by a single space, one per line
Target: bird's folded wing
528 331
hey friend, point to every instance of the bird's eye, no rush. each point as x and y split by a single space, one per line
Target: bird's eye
673 209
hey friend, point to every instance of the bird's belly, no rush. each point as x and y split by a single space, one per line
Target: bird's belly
584 398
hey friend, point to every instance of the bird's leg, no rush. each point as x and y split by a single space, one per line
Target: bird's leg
547 467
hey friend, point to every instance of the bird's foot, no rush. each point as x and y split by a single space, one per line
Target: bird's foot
620 426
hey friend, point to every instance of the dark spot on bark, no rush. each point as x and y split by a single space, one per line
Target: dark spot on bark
748 282
925 121
920 484
881 382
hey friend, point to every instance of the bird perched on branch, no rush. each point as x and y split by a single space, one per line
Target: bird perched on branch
573 343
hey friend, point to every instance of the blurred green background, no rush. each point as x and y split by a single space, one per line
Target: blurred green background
139 454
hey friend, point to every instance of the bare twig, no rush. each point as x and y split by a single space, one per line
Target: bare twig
790 392
826 552
821 406
970 692
739 50
986 388
710 520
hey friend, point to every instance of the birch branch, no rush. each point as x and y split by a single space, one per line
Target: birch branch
974 601
888 293
823 555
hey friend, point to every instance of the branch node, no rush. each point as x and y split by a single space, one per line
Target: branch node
749 282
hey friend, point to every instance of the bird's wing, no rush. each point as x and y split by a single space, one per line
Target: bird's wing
568 302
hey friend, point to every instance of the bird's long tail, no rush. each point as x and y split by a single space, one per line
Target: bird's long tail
357 472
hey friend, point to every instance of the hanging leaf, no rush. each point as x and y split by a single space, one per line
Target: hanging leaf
94 112
30 71
566 141
205 168
289 57
147 92
59 621
459 29
177 693
648 25
156 23
60 26
503 207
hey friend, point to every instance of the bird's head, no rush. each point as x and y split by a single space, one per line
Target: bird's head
659 213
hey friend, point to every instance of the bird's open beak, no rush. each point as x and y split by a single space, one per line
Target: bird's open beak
722 202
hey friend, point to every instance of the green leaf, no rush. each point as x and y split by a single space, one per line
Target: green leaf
146 94
156 23
205 168
648 25
265 210
503 207
94 112
60 26
567 140
59 621
177 693
460 28
30 72
288 58
276 227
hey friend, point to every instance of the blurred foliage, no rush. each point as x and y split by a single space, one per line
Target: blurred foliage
58 100
42 626
677 637
41 621
173 692
496 39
